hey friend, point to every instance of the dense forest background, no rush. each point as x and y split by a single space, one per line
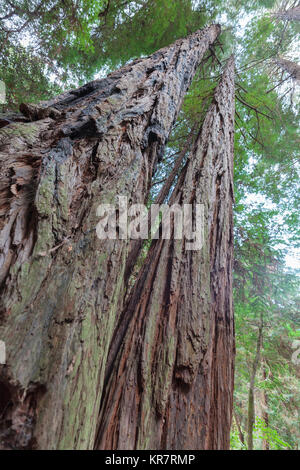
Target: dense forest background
47 47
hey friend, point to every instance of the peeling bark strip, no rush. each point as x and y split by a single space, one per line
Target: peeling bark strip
60 284
169 377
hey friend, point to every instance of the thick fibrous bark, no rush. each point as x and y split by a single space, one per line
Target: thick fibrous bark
137 245
169 377
60 284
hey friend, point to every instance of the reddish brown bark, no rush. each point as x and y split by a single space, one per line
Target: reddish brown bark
137 245
61 285
169 377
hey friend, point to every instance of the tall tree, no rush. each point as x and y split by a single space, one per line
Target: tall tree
290 14
60 284
169 379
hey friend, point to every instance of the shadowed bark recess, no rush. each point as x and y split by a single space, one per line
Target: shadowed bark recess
169 376
60 284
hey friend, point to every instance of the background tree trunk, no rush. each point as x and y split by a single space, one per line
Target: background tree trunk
238 424
169 378
265 404
292 14
61 285
251 398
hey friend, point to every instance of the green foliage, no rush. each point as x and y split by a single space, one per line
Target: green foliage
263 286
261 432
25 77
271 436
235 442
291 332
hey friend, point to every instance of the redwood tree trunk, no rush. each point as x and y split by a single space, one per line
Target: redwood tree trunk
169 377
61 285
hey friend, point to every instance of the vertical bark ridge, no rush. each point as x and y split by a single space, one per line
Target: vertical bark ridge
169 380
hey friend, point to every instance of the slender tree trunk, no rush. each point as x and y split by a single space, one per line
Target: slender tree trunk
238 424
265 414
60 285
251 399
169 377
